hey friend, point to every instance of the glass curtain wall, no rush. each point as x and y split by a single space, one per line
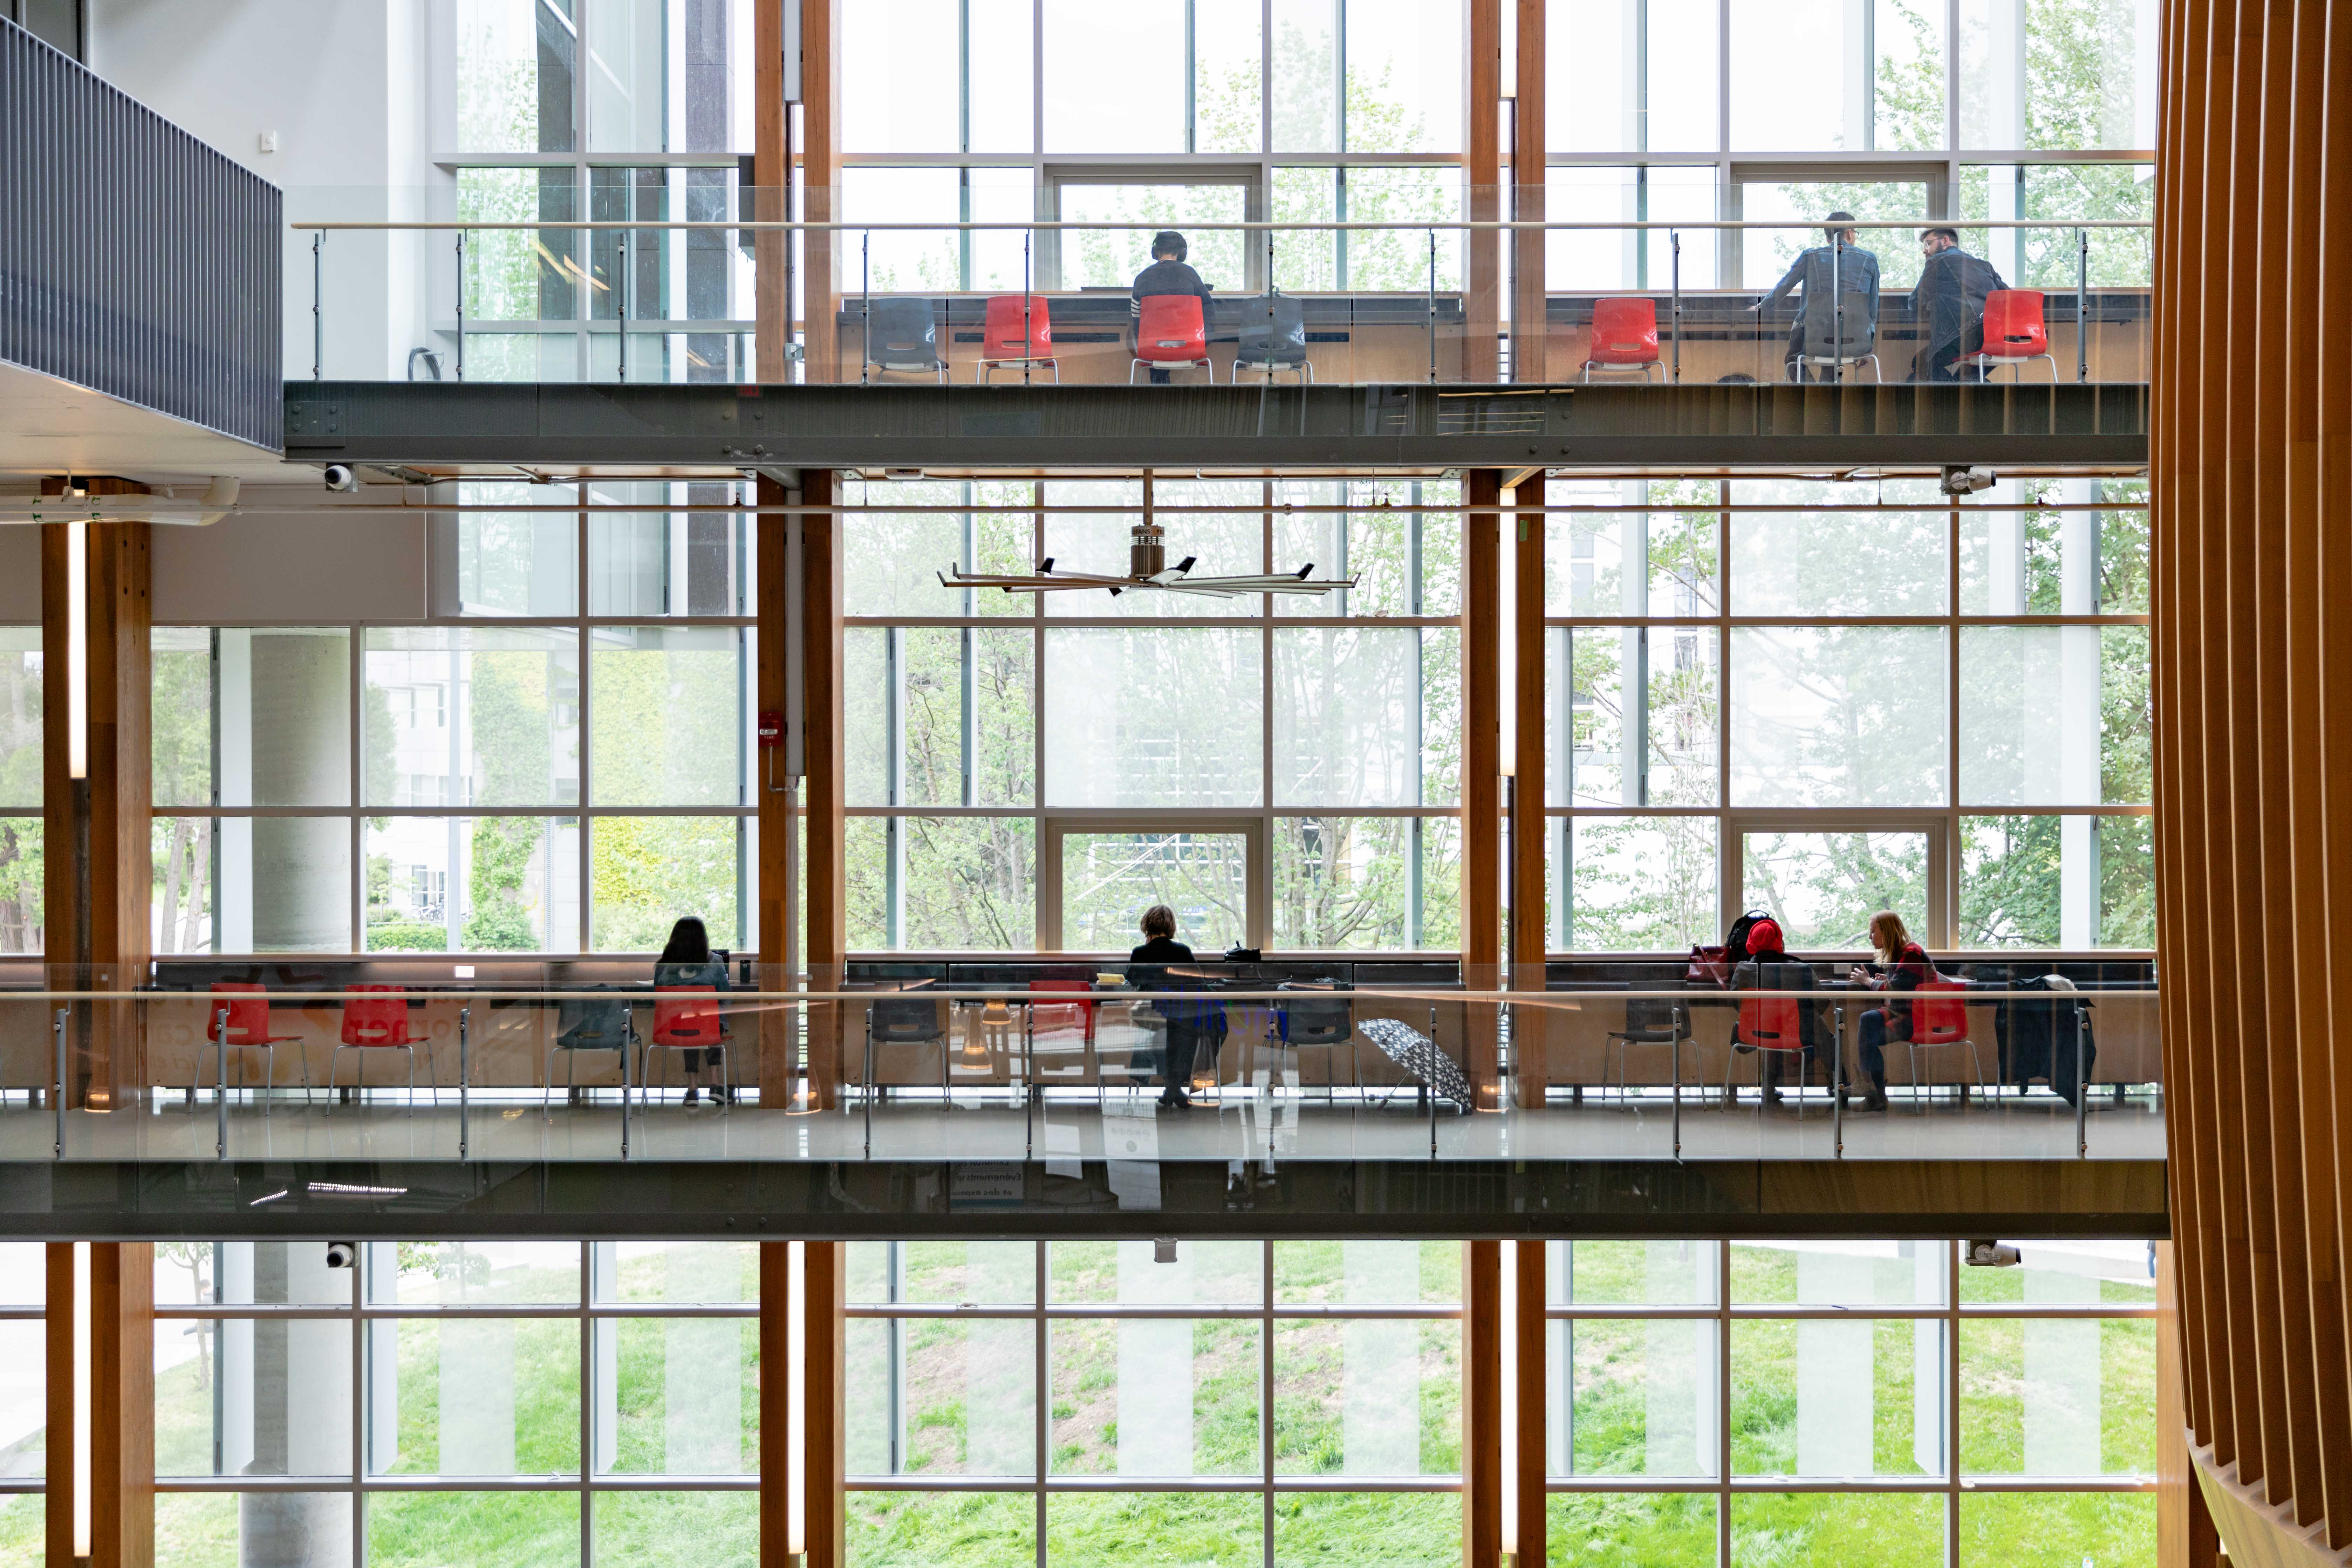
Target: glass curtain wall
598 110
1825 700
1757 1403
24 1400
532 1403
21 789
555 761
1152 742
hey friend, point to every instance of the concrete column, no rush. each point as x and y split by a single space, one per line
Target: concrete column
299 745
300 1390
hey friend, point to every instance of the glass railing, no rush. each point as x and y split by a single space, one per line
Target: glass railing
715 286
1072 1061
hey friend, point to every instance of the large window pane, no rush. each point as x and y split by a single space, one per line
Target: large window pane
1155 1530
1001 54
1823 1398
1153 717
1636 708
1801 205
513 563
1301 66
891 562
1347 717
1373 1530
931 1397
252 716
1823 888
647 871
1837 716
471 717
1360 883
2055 716
515 1529
246 1273
2070 882
1203 1274
2058 74
890 260
1399 260
2058 1396
473 1273
668 563
1110 257
1631 564
1631 1273
679 1396
24 1394
20 716
208 1528
1635 884
905 1530
1404 77
942 1273
514 65
1839 1273
1222 543
2071 562
22 910
2056 1530
1819 75
1154 1396
476 1397
719 1530
667 715
942 884
251 884
1116 75
494 884
2050 257
900 92
1225 76
1828 1529
1603 99
681 1273
1108 880
1400 559
1653 1530
1836 562
234 1396
1633 1396
1367 1273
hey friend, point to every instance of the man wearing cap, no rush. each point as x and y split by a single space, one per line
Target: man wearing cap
1769 966
1827 271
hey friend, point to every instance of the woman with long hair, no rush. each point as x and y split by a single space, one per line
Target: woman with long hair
1901 964
687 959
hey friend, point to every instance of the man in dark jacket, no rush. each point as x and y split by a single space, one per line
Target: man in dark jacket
1949 303
1824 272
1168 274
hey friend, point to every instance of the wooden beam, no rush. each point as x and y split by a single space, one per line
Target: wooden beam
822 751
825 1279
122 1370
776 1395
1528 893
1483 248
1529 361
768 203
1531 1472
98 863
1482 1404
820 176
1482 793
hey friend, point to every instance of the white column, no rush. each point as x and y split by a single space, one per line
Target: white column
1155 1366
300 1413
299 746
1379 1362
1836 1390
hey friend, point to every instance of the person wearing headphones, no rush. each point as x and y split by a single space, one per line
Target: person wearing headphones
1168 274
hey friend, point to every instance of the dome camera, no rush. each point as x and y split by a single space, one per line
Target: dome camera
341 476
342 1254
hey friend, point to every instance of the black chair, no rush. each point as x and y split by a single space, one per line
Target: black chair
1836 339
906 1020
1316 1018
588 1024
902 335
1274 337
1649 1021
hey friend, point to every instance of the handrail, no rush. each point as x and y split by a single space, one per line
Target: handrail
971 225
1016 991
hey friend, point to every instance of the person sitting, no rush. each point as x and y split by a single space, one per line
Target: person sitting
687 960
1148 969
1825 272
1168 274
1950 302
1902 965
1770 966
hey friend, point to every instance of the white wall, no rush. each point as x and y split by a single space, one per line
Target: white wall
343 84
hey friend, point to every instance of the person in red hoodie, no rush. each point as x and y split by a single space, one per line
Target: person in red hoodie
1767 966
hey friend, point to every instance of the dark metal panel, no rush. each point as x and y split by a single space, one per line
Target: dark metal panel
742 1199
134 259
427 423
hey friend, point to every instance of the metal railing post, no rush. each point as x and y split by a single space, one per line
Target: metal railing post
1674 1047
57 1100
465 1076
220 1082
2082 1088
1433 307
628 1032
2082 304
1837 314
318 314
1674 274
1028 300
1431 1088
621 306
865 301
1837 1081
461 304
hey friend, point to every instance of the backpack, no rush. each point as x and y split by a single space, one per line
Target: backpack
1713 965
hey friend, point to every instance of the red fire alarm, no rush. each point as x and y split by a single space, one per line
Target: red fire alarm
771 727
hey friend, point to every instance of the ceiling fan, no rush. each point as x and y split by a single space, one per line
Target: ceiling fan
1148 568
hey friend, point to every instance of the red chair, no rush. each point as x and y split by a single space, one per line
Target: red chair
1769 1024
377 1023
249 1030
1624 336
1019 335
1055 1015
2014 332
1170 329
690 1021
1940 1018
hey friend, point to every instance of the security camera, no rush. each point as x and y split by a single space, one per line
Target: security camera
1991 1255
1966 479
342 1254
341 476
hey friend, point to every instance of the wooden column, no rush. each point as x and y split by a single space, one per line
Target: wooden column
820 178
1527 895
97 867
2251 462
821 757
1482 802
776 794
1530 1472
121 1361
771 251
2184 1528
1528 357
810 1387
1482 305
1482 1404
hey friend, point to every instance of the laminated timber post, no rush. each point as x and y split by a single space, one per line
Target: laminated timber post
1529 360
1527 895
801 1396
822 758
1482 803
2252 659
769 197
1482 305
104 1516
821 251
